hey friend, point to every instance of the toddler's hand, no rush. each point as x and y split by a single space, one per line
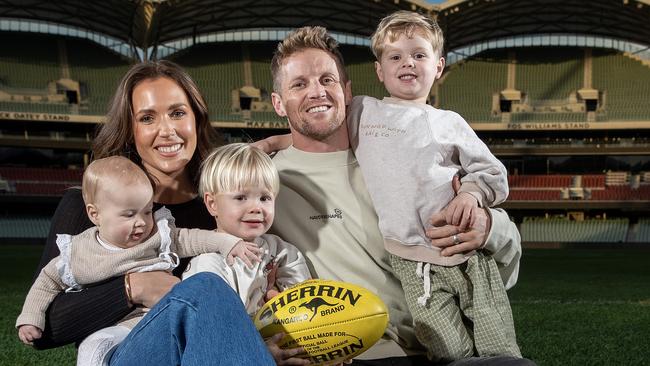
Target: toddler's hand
247 252
459 210
285 356
28 333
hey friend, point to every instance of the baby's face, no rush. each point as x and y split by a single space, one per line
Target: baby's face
124 214
408 67
246 213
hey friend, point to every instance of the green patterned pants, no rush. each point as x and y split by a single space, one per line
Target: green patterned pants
468 313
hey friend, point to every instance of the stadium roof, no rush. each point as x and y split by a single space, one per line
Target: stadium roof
469 21
146 23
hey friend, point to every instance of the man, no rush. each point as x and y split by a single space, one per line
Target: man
324 208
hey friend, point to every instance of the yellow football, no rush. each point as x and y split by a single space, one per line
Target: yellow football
333 321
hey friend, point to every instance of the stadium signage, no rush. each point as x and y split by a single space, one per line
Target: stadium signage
48 117
549 126
26 116
267 124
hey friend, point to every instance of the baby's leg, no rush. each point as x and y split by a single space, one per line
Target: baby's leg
438 324
97 348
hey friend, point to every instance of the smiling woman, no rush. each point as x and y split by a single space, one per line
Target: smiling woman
159 120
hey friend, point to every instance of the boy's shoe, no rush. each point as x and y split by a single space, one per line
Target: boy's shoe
97 348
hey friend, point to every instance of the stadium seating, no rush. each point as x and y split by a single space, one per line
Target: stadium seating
28 60
218 70
626 84
24 227
642 231
468 86
563 230
39 181
360 65
98 71
545 75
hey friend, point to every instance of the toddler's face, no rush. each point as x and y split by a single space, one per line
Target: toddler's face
246 213
408 67
124 214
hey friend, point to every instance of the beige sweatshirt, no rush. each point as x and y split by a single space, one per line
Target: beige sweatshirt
324 209
84 261
409 153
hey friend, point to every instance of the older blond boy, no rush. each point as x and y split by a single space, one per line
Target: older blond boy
409 152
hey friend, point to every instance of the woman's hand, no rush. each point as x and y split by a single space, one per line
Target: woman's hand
147 288
285 356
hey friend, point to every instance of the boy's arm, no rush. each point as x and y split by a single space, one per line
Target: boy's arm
485 176
46 287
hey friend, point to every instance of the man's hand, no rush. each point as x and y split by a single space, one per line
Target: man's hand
249 253
459 211
147 288
28 333
274 143
442 233
285 356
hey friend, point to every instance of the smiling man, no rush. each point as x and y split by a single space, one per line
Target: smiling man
324 208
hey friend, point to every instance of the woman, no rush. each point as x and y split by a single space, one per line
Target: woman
159 120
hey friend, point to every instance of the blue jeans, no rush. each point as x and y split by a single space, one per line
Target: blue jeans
201 321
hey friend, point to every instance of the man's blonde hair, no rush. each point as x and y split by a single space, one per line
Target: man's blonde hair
110 170
302 39
236 166
407 23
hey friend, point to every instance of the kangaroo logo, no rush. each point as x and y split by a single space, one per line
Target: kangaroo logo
314 304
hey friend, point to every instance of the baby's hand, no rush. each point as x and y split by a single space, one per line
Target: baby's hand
28 333
459 210
247 252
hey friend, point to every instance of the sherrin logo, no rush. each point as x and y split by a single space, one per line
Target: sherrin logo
332 321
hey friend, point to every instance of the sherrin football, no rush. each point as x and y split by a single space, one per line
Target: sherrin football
333 321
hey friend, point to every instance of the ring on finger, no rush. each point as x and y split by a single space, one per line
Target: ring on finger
455 239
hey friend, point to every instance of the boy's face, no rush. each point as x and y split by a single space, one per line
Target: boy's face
123 214
408 67
246 213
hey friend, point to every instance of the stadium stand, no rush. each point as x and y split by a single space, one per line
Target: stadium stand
467 87
98 72
217 69
534 229
626 84
24 227
545 75
360 64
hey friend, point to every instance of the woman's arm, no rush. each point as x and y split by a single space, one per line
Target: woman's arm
74 315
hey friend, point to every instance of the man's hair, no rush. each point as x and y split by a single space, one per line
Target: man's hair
110 170
407 23
236 166
302 39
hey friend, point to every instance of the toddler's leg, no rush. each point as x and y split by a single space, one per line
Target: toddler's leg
98 347
438 325
489 309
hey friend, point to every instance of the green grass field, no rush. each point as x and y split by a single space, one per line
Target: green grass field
571 307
